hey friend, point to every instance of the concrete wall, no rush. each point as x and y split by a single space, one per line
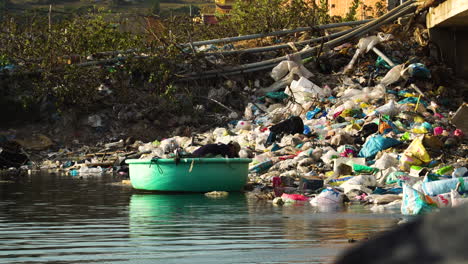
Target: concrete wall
448 28
453 44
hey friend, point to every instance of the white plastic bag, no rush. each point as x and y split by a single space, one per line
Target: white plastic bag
391 108
386 161
304 90
457 200
328 196
293 64
328 156
392 75
360 182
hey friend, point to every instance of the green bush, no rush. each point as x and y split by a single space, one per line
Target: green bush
251 17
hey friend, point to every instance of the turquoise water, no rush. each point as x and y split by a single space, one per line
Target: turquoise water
60 219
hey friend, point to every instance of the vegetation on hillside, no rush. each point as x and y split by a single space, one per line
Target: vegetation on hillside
47 52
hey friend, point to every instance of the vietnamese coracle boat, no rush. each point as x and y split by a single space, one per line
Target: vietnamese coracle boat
189 174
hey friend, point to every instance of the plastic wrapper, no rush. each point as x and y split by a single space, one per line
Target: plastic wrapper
340 180
262 167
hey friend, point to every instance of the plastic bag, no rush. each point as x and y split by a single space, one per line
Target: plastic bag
375 144
360 182
391 206
444 186
418 70
366 44
329 156
391 108
386 161
442 200
293 63
328 196
358 168
456 198
415 154
414 202
294 197
392 75
304 90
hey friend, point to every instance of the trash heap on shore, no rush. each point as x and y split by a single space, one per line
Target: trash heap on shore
382 131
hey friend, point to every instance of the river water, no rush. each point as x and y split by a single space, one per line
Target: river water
61 219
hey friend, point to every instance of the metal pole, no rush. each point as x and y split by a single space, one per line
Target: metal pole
383 56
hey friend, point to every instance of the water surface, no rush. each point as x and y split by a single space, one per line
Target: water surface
62 219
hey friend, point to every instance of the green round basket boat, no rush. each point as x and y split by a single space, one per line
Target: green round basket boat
189 175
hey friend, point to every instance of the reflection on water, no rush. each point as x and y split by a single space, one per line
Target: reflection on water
59 219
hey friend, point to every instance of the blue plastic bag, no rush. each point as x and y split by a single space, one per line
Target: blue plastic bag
375 144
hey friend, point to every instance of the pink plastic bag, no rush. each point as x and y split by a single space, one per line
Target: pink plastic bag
295 197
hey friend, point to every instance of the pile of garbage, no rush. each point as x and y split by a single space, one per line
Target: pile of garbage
392 144
381 131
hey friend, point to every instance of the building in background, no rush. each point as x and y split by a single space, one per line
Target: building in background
224 6
366 9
